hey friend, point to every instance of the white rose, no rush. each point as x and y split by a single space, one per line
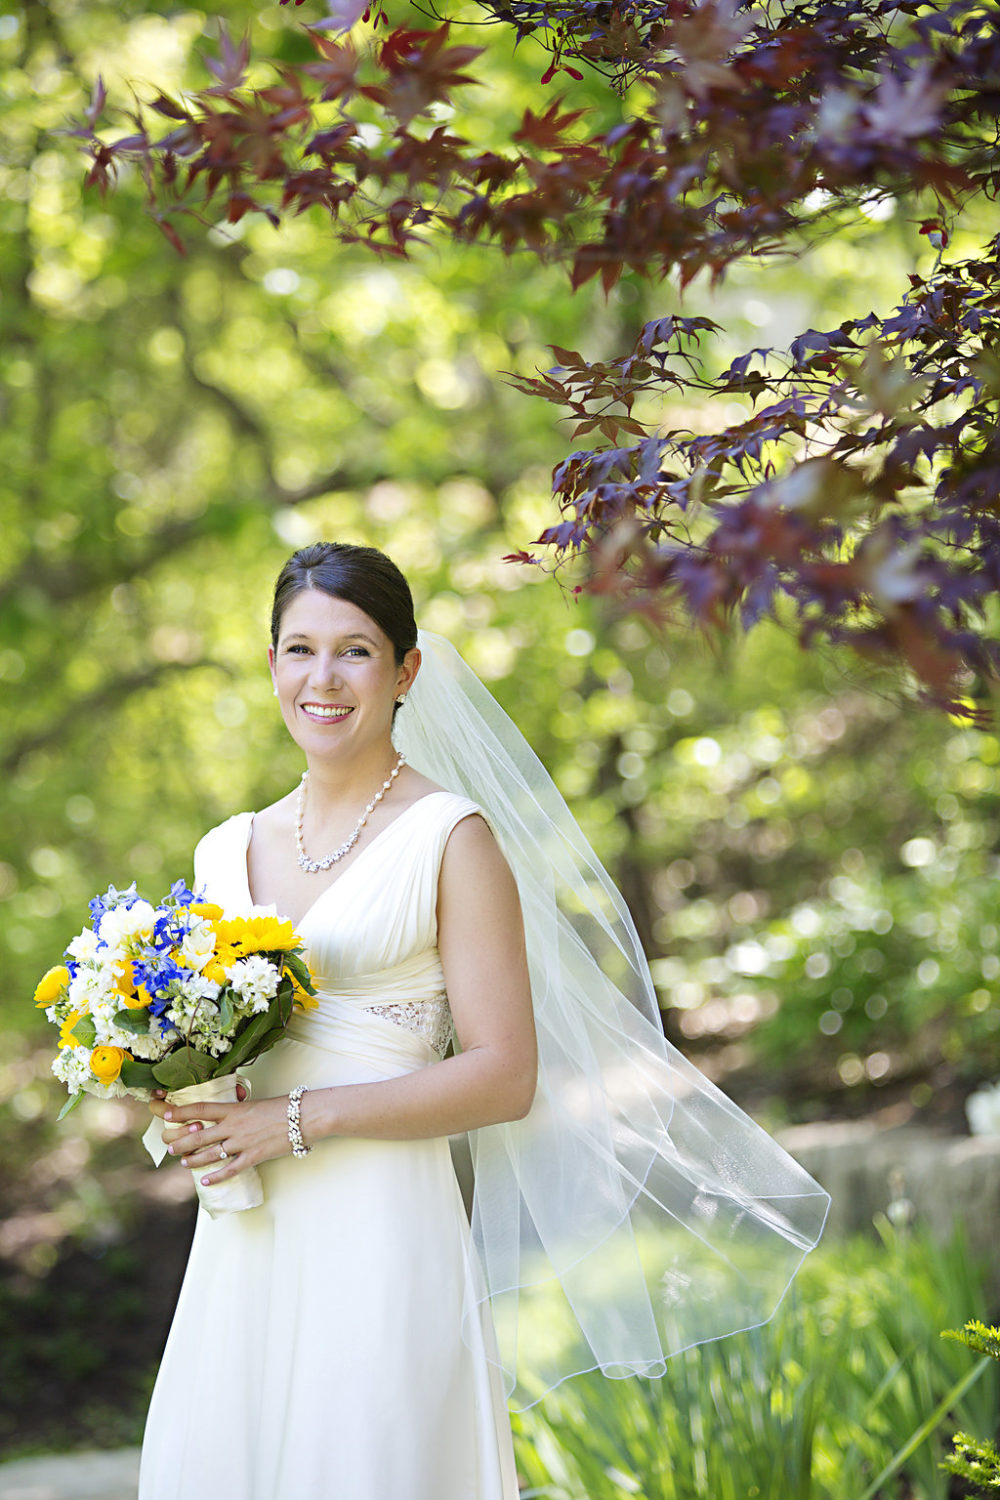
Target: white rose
83 946
124 922
198 946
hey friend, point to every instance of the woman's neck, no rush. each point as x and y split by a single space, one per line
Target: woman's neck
334 786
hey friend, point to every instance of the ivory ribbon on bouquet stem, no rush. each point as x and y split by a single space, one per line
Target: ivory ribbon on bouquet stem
243 1191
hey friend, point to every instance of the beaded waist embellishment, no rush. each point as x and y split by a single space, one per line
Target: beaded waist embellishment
429 1019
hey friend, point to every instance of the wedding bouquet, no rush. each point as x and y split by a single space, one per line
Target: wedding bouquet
175 996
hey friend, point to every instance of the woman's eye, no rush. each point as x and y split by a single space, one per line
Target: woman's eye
293 649
360 650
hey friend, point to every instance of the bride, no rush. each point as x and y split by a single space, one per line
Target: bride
354 1338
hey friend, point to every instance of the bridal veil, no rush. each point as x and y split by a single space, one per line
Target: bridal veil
635 1211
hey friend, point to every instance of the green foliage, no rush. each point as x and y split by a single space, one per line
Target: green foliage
259 1034
185 1067
69 1106
811 1407
976 1336
811 867
137 1075
975 1459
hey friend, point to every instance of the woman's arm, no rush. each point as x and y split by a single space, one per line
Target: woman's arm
481 941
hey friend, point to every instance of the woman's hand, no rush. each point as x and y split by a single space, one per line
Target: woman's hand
248 1132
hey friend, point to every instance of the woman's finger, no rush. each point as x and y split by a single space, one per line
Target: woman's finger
223 1171
182 1114
203 1157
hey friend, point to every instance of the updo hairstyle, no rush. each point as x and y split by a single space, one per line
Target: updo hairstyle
362 576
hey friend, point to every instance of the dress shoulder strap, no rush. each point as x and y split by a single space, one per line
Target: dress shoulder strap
446 809
220 859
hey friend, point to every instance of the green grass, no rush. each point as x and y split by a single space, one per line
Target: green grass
821 1404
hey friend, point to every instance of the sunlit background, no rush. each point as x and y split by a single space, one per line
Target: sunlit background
811 861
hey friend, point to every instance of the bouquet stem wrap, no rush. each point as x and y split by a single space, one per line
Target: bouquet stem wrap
235 1194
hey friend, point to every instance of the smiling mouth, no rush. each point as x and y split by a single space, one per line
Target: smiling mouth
326 711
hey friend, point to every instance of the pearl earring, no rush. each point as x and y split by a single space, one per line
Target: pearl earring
274 689
400 700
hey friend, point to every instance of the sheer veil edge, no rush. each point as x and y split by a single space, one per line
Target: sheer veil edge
635 1211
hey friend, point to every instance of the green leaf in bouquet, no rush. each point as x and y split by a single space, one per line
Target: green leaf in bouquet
138 1075
71 1103
297 965
225 1010
84 1032
135 1022
260 1033
185 1066
283 1004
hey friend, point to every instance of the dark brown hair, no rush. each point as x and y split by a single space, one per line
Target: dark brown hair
361 575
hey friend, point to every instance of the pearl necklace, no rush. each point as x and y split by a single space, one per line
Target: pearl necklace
313 866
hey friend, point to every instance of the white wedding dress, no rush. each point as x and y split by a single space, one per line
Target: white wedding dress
319 1349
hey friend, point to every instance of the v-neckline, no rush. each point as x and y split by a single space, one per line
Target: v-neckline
344 873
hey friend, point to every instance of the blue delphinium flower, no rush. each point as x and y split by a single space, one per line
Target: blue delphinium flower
169 929
155 972
111 898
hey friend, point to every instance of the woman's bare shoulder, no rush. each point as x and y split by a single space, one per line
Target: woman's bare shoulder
413 786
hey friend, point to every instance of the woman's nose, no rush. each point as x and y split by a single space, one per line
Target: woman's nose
326 671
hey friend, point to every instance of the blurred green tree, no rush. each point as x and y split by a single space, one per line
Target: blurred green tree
175 425
811 865
861 491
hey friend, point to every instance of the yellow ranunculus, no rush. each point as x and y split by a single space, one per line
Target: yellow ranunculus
207 909
139 1000
134 997
215 970
125 983
51 986
106 1062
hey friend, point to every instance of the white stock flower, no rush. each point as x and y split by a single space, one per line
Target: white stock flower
983 1111
71 1065
148 1048
199 988
255 980
90 987
113 1090
107 1034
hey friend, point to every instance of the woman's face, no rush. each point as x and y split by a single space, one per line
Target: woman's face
337 677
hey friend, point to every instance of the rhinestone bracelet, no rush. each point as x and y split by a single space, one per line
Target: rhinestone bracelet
299 1147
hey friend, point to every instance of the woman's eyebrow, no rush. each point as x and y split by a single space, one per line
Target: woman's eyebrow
354 635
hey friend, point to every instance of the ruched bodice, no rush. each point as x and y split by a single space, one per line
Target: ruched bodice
371 935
